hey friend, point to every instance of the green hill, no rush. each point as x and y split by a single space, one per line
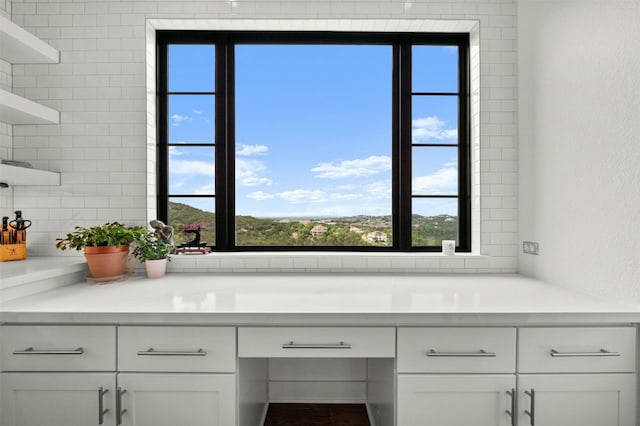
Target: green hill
346 231
183 214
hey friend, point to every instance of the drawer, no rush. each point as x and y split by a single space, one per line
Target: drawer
576 350
316 342
456 350
58 348
177 349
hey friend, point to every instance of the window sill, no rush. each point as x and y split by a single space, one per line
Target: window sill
336 262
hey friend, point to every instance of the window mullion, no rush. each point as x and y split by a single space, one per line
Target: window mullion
404 159
464 157
162 136
222 145
230 147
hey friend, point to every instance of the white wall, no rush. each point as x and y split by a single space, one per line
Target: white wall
579 143
99 87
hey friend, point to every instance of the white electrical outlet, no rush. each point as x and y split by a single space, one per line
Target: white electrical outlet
530 247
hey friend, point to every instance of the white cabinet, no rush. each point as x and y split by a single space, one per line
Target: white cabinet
196 397
577 350
448 397
456 400
176 399
185 375
34 395
577 400
457 350
58 348
316 342
558 393
177 349
50 375
57 399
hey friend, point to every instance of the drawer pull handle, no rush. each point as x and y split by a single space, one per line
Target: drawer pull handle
151 351
512 411
480 354
101 410
292 345
31 351
601 352
119 411
531 412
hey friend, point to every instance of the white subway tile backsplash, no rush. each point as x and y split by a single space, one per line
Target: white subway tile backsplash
101 145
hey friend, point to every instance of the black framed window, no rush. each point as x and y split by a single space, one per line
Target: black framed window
315 141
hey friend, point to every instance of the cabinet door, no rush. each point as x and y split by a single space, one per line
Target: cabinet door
56 399
177 399
577 400
460 400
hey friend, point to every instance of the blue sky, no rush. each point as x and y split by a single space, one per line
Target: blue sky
313 128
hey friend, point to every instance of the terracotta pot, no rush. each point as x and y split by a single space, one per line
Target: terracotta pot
156 268
107 262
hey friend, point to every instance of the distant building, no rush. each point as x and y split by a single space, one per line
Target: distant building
376 237
318 230
355 230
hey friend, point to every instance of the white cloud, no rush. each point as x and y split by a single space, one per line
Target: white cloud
248 173
197 112
206 189
346 196
177 119
255 181
353 168
174 151
189 167
431 128
303 195
379 190
249 150
443 181
348 187
259 196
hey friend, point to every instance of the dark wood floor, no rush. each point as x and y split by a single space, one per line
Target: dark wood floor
317 415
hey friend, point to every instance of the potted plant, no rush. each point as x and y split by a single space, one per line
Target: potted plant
154 253
106 247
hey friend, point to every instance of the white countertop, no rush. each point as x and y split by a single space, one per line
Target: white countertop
36 268
318 299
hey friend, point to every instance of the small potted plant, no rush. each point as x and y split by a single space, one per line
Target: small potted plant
154 253
106 247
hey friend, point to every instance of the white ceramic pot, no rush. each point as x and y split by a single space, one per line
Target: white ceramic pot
156 268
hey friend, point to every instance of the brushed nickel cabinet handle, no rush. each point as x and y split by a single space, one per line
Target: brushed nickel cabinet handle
119 411
512 411
292 345
531 412
154 352
31 351
601 352
101 409
480 354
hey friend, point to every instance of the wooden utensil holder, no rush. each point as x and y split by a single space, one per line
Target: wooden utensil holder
14 251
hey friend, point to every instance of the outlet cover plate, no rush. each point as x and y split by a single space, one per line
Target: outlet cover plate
530 247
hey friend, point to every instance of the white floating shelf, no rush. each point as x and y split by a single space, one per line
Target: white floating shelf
15 109
25 176
19 46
